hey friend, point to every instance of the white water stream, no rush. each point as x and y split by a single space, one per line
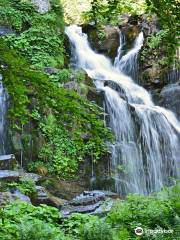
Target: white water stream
146 153
3 98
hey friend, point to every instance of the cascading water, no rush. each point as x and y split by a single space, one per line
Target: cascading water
3 98
146 153
128 63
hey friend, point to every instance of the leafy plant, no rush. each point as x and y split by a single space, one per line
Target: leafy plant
108 12
158 211
73 115
40 38
25 186
98 230
74 224
165 43
21 220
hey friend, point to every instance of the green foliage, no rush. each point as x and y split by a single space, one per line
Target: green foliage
159 211
108 12
164 44
21 220
40 46
36 229
25 186
98 230
40 37
15 14
73 10
68 75
60 149
38 42
73 115
64 75
74 224
17 210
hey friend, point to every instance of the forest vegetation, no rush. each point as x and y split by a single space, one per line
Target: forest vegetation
67 127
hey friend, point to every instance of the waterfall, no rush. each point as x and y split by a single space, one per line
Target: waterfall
173 76
3 98
146 154
128 63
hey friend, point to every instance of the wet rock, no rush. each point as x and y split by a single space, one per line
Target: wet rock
96 96
88 198
130 32
9 175
117 87
69 209
5 30
70 85
57 202
110 43
8 162
6 197
32 177
20 196
112 195
92 202
44 197
66 189
149 26
51 70
105 41
43 6
170 98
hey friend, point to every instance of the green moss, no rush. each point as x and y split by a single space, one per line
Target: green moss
37 37
34 96
58 115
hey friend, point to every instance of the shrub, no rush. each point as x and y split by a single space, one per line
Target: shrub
98 230
158 211
21 220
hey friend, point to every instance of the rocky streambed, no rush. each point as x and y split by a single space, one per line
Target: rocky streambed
96 202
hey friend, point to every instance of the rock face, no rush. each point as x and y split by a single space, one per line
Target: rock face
170 98
8 162
8 175
44 197
65 189
43 6
106 41
92 202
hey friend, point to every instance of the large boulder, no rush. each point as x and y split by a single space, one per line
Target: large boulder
170 98
105 40
92 202
44 197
